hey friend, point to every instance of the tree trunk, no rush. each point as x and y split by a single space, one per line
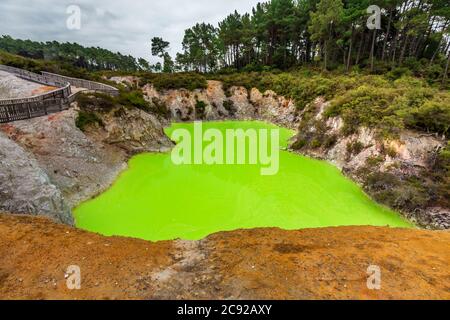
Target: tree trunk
372 50
308 50
350 50
402 54
361 44
313 56
436 52
444 80
394 52
387 35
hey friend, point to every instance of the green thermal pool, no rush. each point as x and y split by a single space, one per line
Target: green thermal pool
158 200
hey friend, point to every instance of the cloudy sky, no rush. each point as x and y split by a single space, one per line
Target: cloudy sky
124 26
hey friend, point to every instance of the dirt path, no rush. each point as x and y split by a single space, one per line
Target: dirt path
326 263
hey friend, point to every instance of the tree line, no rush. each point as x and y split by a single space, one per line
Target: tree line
283 34
329 33
91 59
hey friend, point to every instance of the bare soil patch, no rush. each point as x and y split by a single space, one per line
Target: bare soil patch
329 263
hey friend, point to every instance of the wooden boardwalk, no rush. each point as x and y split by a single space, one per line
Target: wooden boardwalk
49 102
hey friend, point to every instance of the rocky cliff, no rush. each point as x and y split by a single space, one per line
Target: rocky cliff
238 103
55 166
405 161
26 188
82 163
68 166
397 171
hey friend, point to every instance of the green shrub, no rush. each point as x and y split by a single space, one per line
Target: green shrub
408 195
434 72
439 173
95 101
200 108
374 161
87 118
389 151
432 116
330 141
134 98
119 112
229 106
54 66
104 103
315 143
354 148
398 73
167 81
299 144
160 108
392 106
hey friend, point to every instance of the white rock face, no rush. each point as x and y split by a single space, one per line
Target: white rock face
214 97
415 148
240 99
182 103
274 108
246 105
26 188
406 156
82 164
78 165
134 131
126 80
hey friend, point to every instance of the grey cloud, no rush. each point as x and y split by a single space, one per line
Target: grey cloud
124 26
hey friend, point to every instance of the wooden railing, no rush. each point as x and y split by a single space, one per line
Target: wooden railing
49 102
31 76
28 110
86 84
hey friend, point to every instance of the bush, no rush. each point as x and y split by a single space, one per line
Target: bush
354 148
87 118
229 106
316 138
374 161
432 116
440 175
391 106
315 143
386 103
330 141
167 81
398 73
299 144
408 195
389 151
158 107
200 108
104 103
95 101
134 98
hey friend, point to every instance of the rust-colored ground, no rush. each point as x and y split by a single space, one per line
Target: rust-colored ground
326 263
42 90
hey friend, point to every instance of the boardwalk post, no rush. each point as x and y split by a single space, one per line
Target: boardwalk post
8 117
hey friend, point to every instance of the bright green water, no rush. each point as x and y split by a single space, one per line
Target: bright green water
157 200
